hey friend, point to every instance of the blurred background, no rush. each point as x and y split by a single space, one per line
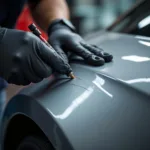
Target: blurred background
88 15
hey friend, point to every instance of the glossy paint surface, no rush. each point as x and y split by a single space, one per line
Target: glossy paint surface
104 108
131 59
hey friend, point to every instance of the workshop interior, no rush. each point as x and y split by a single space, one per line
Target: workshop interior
101 107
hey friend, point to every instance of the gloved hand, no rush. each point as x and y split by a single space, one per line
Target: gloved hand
63 38
24 58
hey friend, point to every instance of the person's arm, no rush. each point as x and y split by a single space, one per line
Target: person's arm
45 11
53 17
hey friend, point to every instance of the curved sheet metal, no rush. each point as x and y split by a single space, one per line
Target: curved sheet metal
103 108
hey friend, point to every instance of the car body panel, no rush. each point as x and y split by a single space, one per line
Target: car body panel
131 58
104 108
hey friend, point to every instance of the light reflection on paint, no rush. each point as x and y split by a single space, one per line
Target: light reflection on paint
144 43
99 82
76 103
142 38
144 22
140 80
136 58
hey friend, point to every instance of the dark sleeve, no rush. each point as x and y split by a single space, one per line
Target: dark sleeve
14 8
32 3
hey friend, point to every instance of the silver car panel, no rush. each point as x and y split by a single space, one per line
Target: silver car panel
104 108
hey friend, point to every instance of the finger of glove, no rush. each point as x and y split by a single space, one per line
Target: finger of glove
25 75
53 59
17 77
88 56
60 51
37 70
99 52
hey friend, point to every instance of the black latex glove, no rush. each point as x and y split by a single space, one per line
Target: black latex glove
63 39
24 58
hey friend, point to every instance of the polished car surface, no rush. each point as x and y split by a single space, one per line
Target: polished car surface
104 108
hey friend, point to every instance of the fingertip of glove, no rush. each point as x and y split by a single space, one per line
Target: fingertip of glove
95 60
107 57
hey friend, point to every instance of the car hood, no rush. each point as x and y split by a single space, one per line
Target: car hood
131 64
103 108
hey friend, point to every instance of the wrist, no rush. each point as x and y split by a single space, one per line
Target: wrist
60 24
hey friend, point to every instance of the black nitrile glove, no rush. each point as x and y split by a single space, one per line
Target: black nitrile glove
63 38
24 58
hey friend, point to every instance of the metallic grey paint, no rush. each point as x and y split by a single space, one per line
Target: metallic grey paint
103 108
